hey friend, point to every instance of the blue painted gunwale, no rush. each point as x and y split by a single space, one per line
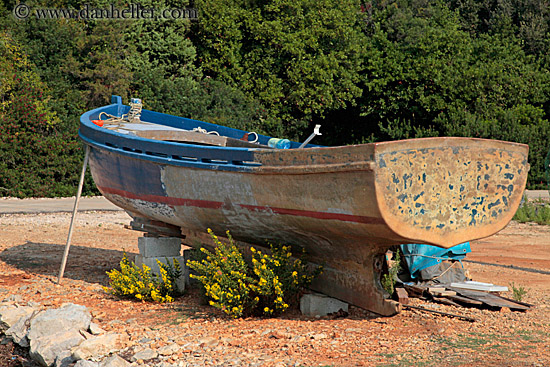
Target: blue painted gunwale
172 153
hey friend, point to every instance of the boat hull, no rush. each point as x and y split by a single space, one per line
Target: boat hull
344 205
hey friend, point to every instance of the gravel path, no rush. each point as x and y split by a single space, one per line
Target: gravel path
44 205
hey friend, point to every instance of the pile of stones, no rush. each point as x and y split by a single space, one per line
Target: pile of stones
60 337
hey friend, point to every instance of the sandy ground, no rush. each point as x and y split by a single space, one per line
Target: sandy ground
31 247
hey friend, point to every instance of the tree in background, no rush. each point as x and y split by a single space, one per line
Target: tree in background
367 72
427 76
84 62
80 66
167 78
36 156
300 59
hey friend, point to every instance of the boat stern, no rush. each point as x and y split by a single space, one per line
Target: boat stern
446 191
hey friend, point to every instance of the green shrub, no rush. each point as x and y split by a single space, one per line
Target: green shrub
518 292
268 287
388 280
224 275
538 212
133 282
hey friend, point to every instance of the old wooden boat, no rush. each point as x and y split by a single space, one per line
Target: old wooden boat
345 205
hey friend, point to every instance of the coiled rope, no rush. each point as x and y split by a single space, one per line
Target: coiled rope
134 115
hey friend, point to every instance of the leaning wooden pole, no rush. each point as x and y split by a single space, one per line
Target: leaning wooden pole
78 193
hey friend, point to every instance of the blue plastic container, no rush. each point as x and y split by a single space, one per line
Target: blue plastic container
278 143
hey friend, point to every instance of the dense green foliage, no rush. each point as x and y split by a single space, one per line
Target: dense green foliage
428 76
36 154
299 58
533 211
371 71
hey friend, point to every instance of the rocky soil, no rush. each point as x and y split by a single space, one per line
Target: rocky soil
190 333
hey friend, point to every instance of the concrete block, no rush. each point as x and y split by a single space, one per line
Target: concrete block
316 304
159 246
151 262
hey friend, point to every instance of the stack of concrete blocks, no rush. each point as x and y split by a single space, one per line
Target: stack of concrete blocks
165 250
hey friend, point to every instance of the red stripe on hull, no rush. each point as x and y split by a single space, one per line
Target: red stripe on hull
218 205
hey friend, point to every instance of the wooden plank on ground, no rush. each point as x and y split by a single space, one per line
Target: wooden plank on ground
446 301
414 290
402 295
466 300
490 299
436 289
444 293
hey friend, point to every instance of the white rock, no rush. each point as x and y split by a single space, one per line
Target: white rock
114 361
44 350
298 339
95 329
208 342
9 315
83 363
169 349
33 304
97 346
64 359
14 298
319 336
19 331
68 317
145 355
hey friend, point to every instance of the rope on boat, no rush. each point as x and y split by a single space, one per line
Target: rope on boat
134 115
111 118
204 131
135 110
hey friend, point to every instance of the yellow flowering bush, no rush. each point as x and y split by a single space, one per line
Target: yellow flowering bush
279 278
133 282
268 287
225 277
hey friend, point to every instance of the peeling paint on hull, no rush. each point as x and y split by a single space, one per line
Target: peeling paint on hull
450 193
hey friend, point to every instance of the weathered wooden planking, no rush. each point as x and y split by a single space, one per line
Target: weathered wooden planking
415 290
444 293
490 299
402 295
193 137
154 228
446 301
466 300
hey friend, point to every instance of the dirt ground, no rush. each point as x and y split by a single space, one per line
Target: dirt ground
31 248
